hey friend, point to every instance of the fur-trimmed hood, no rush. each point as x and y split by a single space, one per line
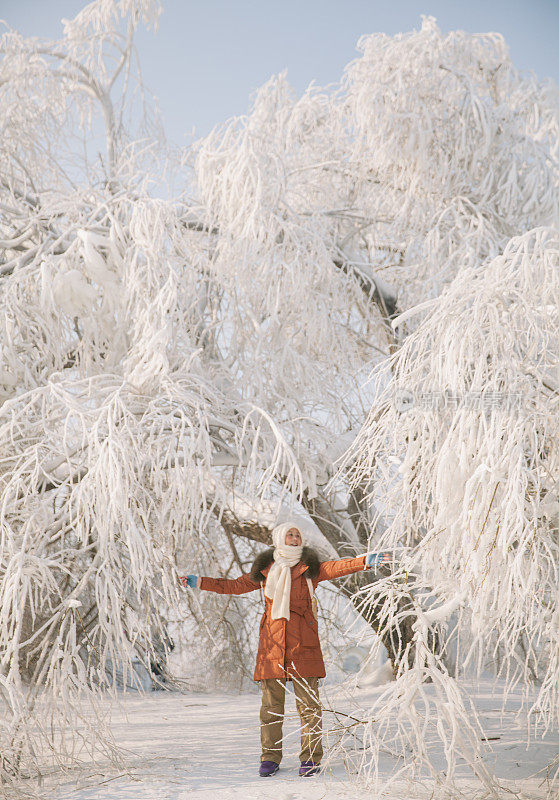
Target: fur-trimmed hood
309 556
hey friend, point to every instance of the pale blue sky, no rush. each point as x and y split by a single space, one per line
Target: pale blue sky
208 56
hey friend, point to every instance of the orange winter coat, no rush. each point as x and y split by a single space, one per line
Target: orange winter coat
292 646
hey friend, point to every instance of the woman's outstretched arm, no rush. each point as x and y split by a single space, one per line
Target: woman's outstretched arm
240 585
329 570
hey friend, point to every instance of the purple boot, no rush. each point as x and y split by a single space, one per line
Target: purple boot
267 768
308 768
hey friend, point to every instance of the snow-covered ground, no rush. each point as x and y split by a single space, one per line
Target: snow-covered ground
205 746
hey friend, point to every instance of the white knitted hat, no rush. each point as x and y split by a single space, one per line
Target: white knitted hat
278 533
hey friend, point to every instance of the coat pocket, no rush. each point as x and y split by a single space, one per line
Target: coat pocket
309 631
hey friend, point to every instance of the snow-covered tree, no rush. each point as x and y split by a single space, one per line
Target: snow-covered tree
465 448
178 372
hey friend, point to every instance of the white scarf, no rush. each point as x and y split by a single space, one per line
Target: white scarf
278 582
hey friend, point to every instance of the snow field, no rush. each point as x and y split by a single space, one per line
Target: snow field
206 747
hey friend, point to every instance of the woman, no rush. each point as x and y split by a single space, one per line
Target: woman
289 647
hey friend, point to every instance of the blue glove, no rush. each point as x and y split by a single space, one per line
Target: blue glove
377 559
189 580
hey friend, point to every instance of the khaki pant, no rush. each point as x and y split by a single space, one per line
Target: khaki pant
272 712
